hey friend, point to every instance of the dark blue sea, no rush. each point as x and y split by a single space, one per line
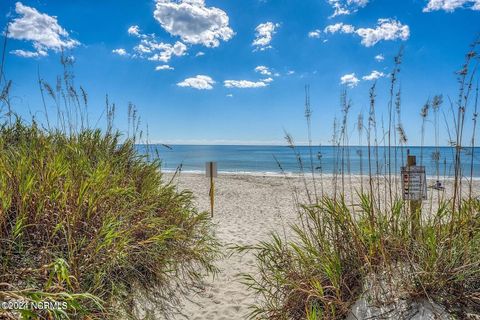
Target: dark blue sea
326 159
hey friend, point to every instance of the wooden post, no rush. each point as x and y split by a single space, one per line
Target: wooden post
212 189
415 205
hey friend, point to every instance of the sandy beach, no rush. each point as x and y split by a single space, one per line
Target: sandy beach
247 209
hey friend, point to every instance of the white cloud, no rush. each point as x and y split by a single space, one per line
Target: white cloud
361 3
263 35
193 21
120 51
149 48
143 48
451 5
230 95
386 29
347 28
339 27
244 84
134 31
200 53
43 30
379 57
267 80
263 70
159 51
290 72
346 7
200 82
374 75
350 80
163 67
29 54
314 33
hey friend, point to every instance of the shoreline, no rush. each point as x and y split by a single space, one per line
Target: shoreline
308 175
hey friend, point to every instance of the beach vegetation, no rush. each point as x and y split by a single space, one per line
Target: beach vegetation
86 221
364 242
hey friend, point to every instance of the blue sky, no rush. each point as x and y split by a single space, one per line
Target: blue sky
233 72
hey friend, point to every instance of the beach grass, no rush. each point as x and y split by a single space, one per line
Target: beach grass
322 272
88 222
369 243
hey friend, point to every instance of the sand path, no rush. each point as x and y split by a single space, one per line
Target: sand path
247 209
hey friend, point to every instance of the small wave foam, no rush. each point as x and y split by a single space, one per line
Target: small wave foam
294 174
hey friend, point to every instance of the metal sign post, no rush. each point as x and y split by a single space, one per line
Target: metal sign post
211 172
414 188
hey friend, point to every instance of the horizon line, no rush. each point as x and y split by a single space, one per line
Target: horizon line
296 145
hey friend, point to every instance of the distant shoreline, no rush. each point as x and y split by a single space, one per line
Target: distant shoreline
307 174
296 145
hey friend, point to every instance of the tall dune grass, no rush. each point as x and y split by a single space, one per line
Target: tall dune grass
342 248
86 220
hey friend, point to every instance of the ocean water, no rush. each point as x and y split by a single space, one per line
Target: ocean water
327 159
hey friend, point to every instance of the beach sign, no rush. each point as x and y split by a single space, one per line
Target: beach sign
414 183
211 172
414 189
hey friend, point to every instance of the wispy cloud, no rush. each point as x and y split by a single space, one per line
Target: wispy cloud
263 70
386 29
349 80
164 67
41 29
379 57
346 7
134 30
374 75
244 84
120 51
339 27
199 82
451 5
193 21
29 54
151 49
314 33
167 51
264 34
